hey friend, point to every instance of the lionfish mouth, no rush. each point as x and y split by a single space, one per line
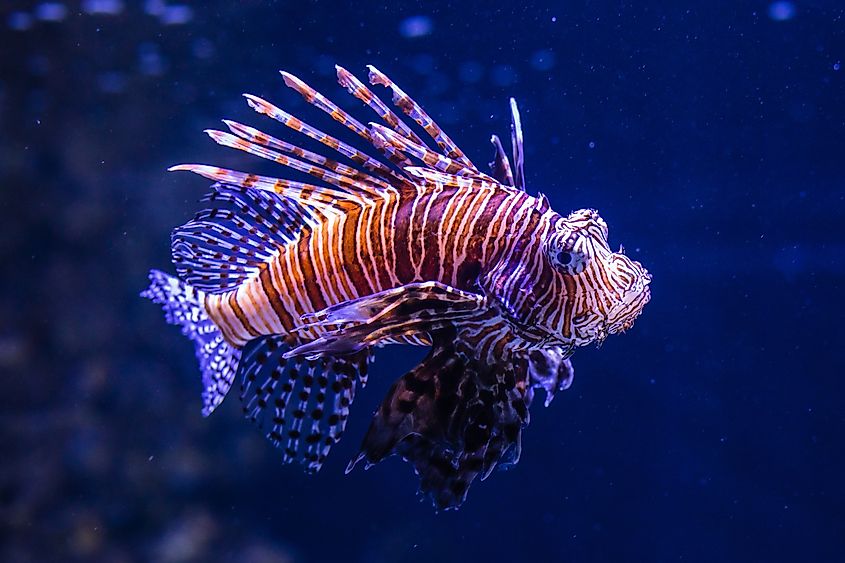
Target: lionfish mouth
633 304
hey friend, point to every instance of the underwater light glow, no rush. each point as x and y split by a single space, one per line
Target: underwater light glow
416 26
103 7
50 12
782 10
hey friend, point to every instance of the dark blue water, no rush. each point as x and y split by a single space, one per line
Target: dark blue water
709 136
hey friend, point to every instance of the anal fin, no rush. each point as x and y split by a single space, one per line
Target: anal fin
301 405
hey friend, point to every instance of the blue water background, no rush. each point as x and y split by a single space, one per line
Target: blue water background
708 134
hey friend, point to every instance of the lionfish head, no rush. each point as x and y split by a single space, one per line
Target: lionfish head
591 291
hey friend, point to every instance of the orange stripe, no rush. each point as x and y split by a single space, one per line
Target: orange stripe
273 296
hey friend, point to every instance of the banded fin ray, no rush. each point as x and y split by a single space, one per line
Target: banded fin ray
226 243
403 137
301 405
346 185
451 180
316 99
413 110
429 157
357 156
319 200
254 135
360 91
339 180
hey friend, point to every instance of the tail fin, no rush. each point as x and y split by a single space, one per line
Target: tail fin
183 306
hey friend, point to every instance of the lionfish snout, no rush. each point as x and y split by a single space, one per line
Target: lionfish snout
633 293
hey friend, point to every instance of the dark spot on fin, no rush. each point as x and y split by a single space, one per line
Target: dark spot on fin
453 419
218 361
225 244
301 405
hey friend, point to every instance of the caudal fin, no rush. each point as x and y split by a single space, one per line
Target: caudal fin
182 306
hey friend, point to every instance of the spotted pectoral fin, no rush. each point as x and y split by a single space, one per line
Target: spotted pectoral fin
301 405
394 314
453 419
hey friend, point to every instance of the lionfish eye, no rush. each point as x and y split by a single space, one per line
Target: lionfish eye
565 258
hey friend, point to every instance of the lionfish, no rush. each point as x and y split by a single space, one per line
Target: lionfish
289 287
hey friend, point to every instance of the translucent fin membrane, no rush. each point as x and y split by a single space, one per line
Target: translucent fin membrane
301 405
229 241
183 306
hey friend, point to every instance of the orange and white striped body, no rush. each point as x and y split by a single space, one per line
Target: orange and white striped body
433 232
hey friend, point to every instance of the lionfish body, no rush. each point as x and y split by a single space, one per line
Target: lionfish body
287 288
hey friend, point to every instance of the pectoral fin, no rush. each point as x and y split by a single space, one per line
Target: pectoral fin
408 310
454 419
